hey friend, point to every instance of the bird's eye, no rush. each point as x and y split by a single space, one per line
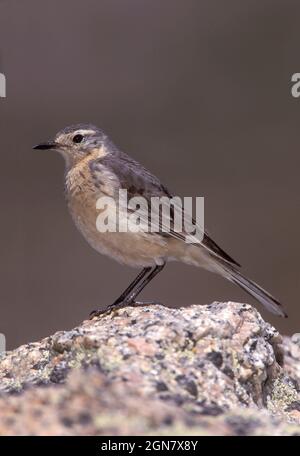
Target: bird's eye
77 138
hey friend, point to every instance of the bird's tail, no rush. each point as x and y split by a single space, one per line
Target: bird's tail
213 262
265 298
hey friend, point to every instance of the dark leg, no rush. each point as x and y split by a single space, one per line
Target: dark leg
133 284
131 298
128 296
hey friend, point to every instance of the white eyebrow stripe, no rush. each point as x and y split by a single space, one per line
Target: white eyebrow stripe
84 132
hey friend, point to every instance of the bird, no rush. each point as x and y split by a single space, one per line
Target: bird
96 168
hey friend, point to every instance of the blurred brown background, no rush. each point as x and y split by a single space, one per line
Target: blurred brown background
199 92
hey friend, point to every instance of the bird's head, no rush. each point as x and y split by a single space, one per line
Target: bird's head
76 142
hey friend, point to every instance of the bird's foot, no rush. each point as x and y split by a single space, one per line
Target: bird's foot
99 312
120 305
144 303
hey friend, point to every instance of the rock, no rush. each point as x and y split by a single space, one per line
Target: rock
218 369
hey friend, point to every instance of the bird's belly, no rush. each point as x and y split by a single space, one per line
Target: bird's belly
139 249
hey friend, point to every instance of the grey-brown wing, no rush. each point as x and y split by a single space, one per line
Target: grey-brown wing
138 181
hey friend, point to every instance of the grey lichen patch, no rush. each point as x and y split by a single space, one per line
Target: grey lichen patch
283 394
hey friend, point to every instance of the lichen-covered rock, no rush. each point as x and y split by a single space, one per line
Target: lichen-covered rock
291 350
216 369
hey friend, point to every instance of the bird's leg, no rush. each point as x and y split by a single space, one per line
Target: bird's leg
130 300
124 295
129 289
128 296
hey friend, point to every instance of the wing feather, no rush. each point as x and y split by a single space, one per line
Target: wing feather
138 181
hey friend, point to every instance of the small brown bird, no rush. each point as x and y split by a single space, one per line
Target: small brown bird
96 168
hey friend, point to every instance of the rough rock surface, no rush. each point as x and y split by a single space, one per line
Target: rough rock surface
218 369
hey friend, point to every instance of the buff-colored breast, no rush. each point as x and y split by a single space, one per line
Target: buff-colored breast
82 191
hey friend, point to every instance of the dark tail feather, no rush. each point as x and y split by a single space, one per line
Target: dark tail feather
256 291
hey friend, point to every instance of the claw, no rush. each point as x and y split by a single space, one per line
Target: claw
121 305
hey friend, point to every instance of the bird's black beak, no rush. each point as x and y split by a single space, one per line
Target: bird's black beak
46 146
